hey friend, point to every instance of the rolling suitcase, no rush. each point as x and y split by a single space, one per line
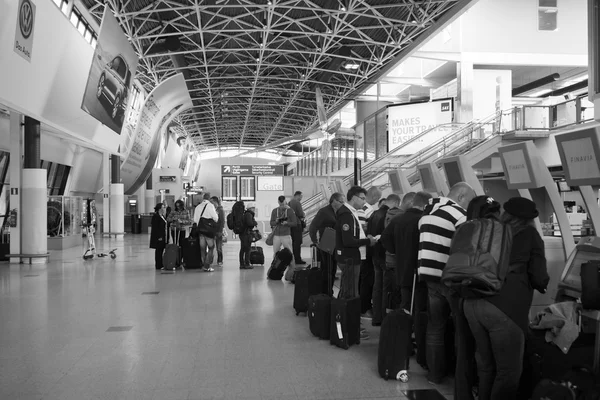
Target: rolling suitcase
344 326
191 254
257 256
307 283
282 259
395 343
172 254
319 315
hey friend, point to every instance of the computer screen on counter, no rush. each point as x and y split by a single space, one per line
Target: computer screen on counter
453 172
517 166
579 151
427 180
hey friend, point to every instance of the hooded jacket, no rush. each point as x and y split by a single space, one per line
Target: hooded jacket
440 219
347 237
392 212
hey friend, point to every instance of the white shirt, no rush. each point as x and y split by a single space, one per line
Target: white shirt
209 212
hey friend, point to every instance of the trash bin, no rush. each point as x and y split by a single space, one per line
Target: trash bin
136 223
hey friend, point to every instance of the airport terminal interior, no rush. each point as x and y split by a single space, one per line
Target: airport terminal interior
109 108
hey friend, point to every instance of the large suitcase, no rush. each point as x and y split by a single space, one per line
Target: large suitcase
191 253
345 322
257 256
281 261
172 255
395 345
307 283
319 315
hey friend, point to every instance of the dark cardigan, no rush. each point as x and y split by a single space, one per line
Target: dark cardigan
528 272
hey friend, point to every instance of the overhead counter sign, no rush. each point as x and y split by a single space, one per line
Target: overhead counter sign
24 31
257 170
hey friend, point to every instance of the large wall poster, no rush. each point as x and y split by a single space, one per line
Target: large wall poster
111 75
409 120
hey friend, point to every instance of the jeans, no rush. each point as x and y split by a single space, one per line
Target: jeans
349 280
379 296
246 242
285 242
207 254
420 316
366 281
158 254
391 291
442 302
296 233
328 270
219 247
500 348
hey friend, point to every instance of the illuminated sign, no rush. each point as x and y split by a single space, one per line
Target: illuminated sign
163 178
579 152
258 170
270 183
407 121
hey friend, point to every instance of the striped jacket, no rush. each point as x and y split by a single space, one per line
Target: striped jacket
437 226
364 214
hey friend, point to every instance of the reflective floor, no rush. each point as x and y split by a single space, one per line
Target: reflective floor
118 329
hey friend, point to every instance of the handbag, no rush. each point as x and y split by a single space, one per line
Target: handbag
207 226
255 235
269 240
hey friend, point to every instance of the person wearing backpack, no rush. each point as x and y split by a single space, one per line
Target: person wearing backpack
499 322
248 224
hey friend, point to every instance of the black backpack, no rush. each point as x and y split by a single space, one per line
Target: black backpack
235 220
479 258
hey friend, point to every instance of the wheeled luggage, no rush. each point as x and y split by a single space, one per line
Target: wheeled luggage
172 254
345 322
307 283
395 342
319 315
257 256
191 253
281 261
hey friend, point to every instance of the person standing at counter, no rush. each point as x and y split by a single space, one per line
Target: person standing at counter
158 234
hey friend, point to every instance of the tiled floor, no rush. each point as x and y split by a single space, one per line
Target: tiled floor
78 330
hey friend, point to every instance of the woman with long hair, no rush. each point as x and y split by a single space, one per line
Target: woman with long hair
158 234
179 219
499 323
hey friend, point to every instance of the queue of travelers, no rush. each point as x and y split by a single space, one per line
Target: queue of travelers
392 253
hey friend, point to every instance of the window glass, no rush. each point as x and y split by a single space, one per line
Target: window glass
88 35
247 188
57 2
74 19
382 142
370 134
64 7
120 66
81 27
93 43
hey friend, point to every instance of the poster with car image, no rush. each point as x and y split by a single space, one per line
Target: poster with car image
111 74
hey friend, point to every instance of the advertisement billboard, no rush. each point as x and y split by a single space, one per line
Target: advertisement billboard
409 120
111 75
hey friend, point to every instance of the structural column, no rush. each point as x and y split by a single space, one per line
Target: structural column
465 82
34 195
149 194
16 140
106 193
117 198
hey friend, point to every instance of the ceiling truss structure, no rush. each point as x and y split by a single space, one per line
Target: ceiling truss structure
251 66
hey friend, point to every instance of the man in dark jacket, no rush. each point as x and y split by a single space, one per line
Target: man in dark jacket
375 228
246 238
401 237
351 244
326 218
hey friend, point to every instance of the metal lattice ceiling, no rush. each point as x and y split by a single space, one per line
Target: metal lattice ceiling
252 66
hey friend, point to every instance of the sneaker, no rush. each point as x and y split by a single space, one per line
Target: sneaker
219 264
367 315
364 335
209 269
249 266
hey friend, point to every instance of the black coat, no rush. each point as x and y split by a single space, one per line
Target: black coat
375 227
528 272
325 218
401 237
158 234
347 237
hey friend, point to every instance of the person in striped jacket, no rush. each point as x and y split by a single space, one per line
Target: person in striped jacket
436 228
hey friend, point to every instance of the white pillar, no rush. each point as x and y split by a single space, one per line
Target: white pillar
117 209
150 202
106 193
16 154
34 215
465 82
